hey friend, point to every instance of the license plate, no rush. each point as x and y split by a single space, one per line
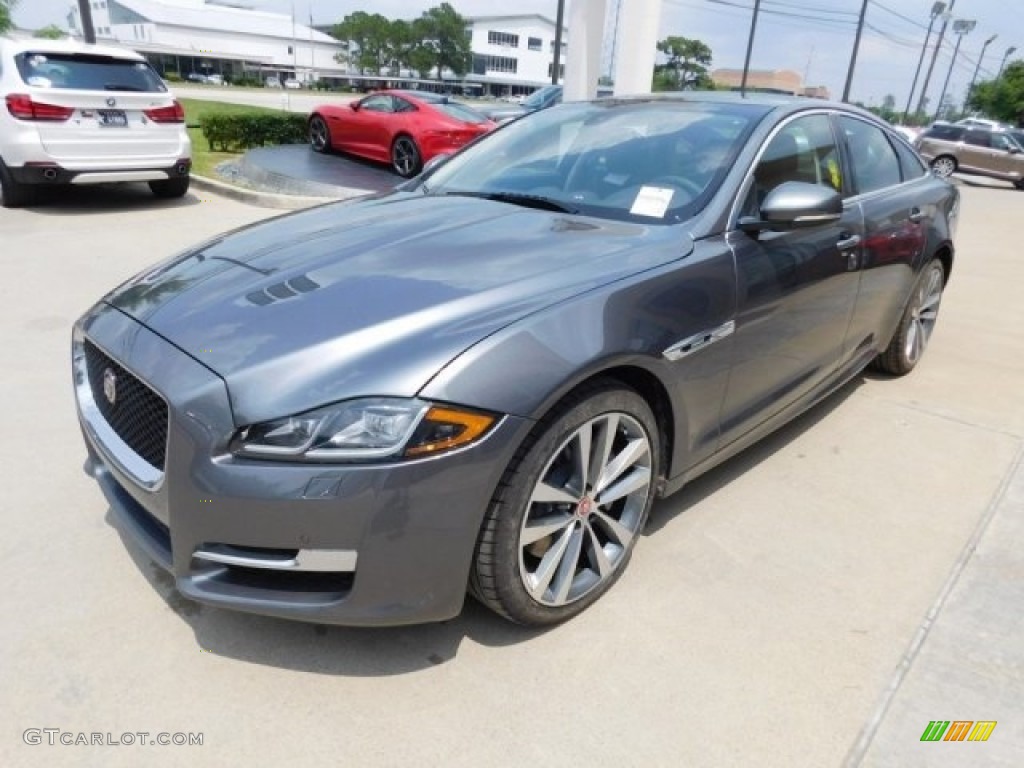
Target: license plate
112 118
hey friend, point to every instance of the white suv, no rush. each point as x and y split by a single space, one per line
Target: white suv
74 113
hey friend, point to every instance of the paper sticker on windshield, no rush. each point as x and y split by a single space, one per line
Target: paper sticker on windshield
652 201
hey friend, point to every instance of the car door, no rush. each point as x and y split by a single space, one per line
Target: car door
1007 160
898 202
976 153
363 127
796 289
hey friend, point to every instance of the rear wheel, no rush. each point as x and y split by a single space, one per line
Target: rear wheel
176 187
14 194
1019 184
405 157
568 511
319 134
944 166
918 322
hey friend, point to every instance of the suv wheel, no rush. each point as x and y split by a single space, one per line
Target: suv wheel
14 194
944 166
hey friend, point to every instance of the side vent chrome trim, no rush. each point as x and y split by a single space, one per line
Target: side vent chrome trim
698 341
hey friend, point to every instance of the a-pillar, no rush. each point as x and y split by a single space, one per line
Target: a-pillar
583 62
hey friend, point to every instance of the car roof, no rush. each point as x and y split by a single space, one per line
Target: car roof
783 103
38 45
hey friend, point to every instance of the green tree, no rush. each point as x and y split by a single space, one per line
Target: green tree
441 42
366 38
51 32
686 64
6 22
1002 99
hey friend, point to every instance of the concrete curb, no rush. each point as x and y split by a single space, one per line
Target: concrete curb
262 199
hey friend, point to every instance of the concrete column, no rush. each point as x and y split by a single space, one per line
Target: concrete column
636 46
583 63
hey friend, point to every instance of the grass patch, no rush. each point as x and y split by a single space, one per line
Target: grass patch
203 160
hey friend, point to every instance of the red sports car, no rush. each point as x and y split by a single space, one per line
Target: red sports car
403 128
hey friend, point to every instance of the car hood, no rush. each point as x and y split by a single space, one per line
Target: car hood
500 112
374 297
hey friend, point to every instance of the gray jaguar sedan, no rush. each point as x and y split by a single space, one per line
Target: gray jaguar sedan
482 380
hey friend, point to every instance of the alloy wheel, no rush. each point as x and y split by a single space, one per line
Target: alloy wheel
585 510
405 157
944 167
319 138
923 316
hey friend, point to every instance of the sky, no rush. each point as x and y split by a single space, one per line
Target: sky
812 37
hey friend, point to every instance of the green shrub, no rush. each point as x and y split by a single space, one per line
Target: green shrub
238 132
172 77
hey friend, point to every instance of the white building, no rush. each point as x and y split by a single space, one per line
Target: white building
513 52
211 36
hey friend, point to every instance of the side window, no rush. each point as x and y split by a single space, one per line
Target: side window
911 166
873 160
1003 142
379 103
804 150
945 132
401 105
978 138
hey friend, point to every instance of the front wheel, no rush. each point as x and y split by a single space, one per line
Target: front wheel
916 325
567 513
405 157
171 188
319 135
944 166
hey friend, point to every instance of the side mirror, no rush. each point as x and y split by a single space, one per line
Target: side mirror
354 106
795 205
434 162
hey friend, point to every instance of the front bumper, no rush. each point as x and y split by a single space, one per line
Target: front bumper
372 544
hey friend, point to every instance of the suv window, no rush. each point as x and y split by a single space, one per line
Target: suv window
86 72
1004 142
978 137
946 132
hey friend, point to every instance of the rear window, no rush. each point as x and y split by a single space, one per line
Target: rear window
87 73
948 132
461 112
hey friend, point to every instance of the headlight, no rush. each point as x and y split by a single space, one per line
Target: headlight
359 430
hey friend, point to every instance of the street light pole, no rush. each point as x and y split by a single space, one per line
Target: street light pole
88 29
750 48
960 28
977 68
853 56
556 64
1009 52
937 10
935 54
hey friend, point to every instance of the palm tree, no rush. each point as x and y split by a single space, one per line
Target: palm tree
6 6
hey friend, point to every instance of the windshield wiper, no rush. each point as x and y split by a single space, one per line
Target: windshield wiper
518 198
122 87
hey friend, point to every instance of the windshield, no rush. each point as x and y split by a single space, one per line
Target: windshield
86 72
657 162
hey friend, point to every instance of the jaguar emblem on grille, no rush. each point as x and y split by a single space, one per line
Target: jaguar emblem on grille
110 386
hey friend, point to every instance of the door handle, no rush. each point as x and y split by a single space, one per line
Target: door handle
916 215
848 241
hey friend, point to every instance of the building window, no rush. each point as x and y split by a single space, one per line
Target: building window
551 46
534 43
561 70
501 64
502 38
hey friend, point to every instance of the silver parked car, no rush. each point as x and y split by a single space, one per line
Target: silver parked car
483 379
974 149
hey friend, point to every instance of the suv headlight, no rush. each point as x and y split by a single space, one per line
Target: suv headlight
361 430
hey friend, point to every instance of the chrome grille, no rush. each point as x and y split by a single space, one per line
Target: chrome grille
137 414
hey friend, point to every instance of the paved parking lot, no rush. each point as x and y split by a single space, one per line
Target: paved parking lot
767 612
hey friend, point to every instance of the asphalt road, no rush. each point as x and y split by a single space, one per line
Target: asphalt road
762 621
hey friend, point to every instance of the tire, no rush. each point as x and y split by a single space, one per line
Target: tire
549 545
14 194
171 188
319 135
915 329
944 166
1019 184
406 159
